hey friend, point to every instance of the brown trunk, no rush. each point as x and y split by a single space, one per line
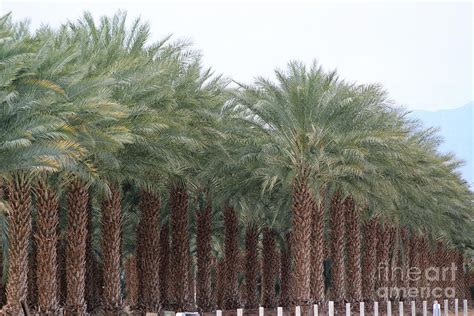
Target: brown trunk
32 288
383 256
425 256
190 301
354 248
77 203
220 283
338 229
414 258
131 282
164 269
19 232
231 253
204 249
301 244
148 259
47 205
93 282
285 273
370 260
460 277
317 252
405 262
251 266
268 270
61 276
179 245
111 246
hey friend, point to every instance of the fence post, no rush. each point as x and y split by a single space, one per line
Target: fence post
413 308
456 306
331 308
218 312
280 311
240 311
261 311
298 311
400 308
436 309
315 310
464 307
348 309
389 308
376 308
425 308
446 308
362 309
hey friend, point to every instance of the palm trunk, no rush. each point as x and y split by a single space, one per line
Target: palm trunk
268 270
301 228
61 276
317 252
220 283
204 249
179 245
425 256
93 284
77 201
251 266
164 269
405 260
370 260
131 282
285 273
231 253
460 277
148 253
337 222
47 204
354 251
32 288
111 234
383 256
19 231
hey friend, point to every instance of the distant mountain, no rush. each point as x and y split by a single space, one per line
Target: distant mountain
457 130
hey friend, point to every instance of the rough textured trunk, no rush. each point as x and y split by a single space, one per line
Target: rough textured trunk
414 258
19 231
425 256
460 277
405 260
317 252
301 228
370 260
268 270
164 269
354 248
204 249
32 288
338 229
93 283
383 255
220 283
77 203
46 238
285 273
251 266
231 253
148 252
131 282
191 284
111 246
179 245
61 276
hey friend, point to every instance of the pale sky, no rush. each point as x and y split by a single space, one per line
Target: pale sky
422 53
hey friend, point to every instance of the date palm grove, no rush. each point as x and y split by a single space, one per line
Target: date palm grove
133 177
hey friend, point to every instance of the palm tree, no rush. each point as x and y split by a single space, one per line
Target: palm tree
131 281
317 251
354 246
285 272
268 268
165 269
338 232
369 268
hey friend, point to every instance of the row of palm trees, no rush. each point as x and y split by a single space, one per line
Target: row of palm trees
133 176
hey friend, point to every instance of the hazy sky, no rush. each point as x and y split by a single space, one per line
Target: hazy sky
421 52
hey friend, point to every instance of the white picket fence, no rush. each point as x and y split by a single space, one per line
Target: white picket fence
403 309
